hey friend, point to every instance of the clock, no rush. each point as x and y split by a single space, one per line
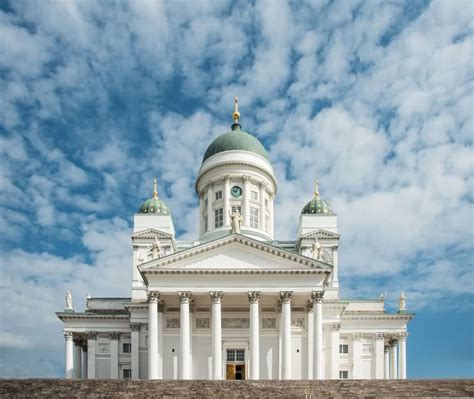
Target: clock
236 191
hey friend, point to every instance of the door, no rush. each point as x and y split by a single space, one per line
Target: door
235 366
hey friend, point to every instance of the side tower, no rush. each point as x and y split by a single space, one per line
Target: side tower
153 237
236 176
318 238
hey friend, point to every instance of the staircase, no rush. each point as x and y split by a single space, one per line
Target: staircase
168 389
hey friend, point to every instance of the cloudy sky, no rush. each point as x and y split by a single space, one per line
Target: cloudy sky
372 98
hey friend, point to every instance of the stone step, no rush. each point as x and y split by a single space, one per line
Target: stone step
170 389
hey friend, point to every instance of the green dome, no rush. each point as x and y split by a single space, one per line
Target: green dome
317 206
235 140
155 206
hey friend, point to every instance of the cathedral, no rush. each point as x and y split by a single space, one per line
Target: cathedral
236 303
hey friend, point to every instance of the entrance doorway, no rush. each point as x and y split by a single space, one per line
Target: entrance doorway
235 366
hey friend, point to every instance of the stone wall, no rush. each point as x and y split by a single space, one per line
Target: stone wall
167 389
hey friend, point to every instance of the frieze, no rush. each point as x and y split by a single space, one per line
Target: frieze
203 323
268 323
172 322
297 322
235 322
103 347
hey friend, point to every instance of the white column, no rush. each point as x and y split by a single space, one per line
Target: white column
69 354
216 299
191 324
335 335
153 335
386 370
184 298
261 196
285 297
335 272
84 362
393 360
270 204
160 340
379 356
114 351
210 208
77 359
402 355
356 356
225 196
135 355
317 297
254 299
91 342
246 200
310 337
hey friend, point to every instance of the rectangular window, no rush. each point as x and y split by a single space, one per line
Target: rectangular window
344 348
236 208
206 224
127 348
127 374
218 217
240 355
235 355
218 195
254 218
343 374
254 195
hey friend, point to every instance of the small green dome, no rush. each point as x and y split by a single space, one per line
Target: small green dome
154 206
235 140
317 206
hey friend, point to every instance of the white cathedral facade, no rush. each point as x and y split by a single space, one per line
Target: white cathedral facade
235 303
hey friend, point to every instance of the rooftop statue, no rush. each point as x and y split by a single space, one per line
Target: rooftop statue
68 300
403 305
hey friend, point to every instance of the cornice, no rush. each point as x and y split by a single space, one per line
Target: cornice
374 316
202 173
248 271
90 316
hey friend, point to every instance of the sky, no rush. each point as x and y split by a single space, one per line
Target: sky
372 98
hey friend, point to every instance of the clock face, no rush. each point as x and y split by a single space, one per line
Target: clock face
236 191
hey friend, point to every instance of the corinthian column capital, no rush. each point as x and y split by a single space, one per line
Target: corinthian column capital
216 296
184 296
285 296
254 296
317 296
153 296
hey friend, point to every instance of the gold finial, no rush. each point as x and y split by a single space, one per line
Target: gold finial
316 189
236 114
155 188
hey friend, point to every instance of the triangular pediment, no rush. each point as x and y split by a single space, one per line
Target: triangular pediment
321 234
235 252
151 233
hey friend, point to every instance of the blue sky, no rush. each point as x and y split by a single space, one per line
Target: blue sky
372 98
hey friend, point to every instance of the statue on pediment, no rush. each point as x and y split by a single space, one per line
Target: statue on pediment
316 249
155 250
235 222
